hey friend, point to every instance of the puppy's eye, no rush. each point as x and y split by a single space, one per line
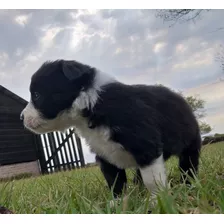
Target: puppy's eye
36 96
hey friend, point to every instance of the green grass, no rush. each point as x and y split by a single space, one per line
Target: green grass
85 191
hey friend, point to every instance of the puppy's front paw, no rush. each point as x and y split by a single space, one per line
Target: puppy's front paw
117 201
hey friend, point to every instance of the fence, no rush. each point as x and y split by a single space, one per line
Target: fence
59 151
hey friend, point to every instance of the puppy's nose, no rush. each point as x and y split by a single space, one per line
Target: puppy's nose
21 116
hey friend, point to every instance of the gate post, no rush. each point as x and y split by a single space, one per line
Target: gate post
40 154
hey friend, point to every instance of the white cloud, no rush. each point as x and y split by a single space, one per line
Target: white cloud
153 36
78 33
3 58
18 52
32 58
180 48
211 92
201 58
49 34
45 42
22 20
2 75
159 46
118 50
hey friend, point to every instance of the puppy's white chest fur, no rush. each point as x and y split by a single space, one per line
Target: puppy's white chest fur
99 141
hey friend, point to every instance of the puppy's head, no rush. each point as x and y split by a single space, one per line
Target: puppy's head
53 89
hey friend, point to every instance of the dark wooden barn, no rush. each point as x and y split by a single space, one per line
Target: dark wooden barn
16 143
33 153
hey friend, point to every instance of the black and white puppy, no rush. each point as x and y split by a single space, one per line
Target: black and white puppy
126 126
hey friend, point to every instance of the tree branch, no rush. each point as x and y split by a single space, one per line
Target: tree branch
179 15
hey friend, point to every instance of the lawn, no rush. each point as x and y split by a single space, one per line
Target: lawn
85 191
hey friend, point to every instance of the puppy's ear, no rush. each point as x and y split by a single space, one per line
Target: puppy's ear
73 70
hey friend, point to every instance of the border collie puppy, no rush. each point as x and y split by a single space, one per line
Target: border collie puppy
126 126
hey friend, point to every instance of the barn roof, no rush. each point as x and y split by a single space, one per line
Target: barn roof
12 95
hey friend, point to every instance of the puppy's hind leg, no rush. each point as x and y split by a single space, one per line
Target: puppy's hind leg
189 160
154 176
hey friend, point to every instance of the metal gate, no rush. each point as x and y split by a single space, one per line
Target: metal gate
59 151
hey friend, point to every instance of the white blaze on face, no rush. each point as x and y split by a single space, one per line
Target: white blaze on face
34 121
32 117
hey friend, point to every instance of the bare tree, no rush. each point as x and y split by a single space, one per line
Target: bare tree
179 15
185 15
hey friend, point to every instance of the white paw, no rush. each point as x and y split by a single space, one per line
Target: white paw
118 201
115 202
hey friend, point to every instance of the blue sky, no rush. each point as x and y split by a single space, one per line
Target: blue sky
132 45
